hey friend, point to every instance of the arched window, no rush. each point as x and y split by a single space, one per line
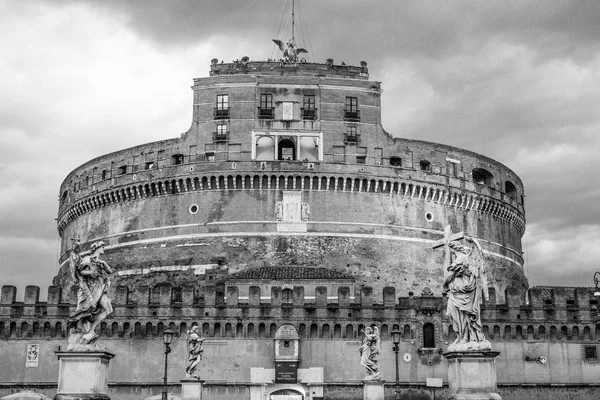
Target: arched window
428 335
482 176
510 189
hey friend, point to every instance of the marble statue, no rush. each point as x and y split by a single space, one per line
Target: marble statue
195 350
91 274
464 284
369 352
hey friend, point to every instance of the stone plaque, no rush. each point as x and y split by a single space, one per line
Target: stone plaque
33 356
288 111
286 372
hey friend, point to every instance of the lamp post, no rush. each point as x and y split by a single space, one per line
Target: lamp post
396 334
167 339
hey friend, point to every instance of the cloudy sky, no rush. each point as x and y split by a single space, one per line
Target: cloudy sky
518 81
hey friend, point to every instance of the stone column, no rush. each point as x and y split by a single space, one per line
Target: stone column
472 375
191 389
373 390
82 375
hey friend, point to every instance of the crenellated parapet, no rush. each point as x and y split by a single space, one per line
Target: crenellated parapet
551 313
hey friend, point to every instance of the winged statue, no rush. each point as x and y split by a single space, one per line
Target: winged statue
290 51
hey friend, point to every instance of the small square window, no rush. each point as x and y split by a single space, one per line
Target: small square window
286 343
361 159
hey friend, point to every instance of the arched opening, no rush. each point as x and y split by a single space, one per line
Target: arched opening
510 189
482 176
265 148
428 335
286 150
425 165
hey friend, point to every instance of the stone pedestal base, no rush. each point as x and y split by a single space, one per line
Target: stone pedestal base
191 389
472 375
373 390
82 375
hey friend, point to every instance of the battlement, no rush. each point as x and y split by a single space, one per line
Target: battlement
550 309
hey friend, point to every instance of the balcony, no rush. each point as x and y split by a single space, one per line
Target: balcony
353 115
221 113
221 136
266 113
348 138
310 114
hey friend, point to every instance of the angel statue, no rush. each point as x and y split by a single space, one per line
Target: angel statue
464 285
290 52
369 351
91 274
195 350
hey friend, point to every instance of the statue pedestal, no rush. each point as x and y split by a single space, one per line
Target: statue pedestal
82 375
373 390
191 389
472 375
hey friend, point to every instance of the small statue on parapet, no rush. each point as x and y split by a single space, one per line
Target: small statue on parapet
464 285
369 352
91 274
195 350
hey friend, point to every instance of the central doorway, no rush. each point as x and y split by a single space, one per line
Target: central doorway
286 394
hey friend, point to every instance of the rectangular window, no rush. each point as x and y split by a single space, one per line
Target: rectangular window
221 133
361 155
222 109
266 100
308 108
105 174
351 112
352 135
150 165
265 109
590 352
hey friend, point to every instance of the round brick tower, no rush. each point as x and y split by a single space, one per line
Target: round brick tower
288 165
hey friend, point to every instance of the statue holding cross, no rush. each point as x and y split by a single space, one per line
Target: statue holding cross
464 280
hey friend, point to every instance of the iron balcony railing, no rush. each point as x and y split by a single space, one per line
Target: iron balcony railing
310 113
352 115
221 113
266 113
221 136
351 138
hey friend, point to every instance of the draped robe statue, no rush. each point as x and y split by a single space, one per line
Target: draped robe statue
369 351
464 285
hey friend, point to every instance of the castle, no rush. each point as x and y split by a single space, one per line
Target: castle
286 203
